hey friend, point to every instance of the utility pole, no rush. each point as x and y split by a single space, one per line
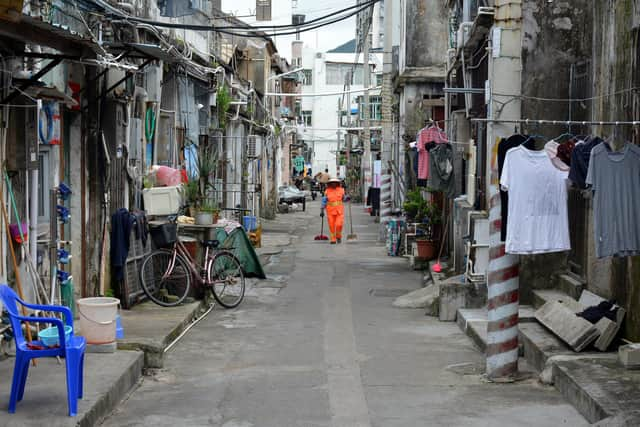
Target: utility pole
387 118
366 155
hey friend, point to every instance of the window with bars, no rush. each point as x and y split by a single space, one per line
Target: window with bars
375 107
307 118
308 77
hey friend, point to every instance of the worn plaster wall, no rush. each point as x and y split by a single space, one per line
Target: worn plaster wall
426 33
556 36
615 68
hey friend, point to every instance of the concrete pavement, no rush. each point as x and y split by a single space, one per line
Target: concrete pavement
329 349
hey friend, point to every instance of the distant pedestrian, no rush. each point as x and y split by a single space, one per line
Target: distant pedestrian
323 179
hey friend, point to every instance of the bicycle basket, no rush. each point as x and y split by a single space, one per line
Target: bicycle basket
164 235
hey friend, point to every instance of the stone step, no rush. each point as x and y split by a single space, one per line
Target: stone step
599 388
539 344
571 285
541 296
473 322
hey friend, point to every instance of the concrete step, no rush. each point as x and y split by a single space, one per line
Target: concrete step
539 344
108 379
599 388
473 322
541 296
571 285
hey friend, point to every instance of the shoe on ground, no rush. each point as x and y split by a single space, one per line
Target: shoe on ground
339 240
333 243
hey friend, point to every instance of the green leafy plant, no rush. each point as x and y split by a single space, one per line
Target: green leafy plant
421 210
223 102
191 192
209 207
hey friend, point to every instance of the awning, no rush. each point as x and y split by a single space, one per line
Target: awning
50 93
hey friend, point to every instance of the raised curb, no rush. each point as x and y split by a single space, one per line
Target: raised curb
598 387
107 402
154 345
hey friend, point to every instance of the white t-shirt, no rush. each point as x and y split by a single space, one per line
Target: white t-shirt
538 218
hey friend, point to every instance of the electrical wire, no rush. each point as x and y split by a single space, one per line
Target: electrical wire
250 31
535 98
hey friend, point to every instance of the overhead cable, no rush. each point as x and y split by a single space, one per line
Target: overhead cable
250 30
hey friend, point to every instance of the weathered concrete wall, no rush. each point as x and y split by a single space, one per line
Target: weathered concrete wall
615 70
427 32
556 35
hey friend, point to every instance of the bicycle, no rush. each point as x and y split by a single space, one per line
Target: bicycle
166 273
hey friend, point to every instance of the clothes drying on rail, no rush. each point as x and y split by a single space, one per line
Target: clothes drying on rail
430 134
580 161
537 203
615 179
441 177
503 146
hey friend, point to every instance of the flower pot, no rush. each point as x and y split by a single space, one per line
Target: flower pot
427 249
204 218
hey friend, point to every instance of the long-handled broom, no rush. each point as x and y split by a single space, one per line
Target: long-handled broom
351 236
321 236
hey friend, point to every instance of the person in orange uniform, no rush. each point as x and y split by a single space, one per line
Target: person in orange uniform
332 203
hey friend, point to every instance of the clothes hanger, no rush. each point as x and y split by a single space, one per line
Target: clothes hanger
559 139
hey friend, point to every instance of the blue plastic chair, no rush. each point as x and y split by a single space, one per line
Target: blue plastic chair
72 350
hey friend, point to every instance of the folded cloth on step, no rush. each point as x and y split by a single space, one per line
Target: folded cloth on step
595 313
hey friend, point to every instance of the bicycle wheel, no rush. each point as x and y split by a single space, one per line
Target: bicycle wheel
165 280
227 279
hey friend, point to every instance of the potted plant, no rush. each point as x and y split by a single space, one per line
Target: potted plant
207 214
428 216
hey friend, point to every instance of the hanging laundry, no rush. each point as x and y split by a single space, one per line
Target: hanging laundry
503 146
615 177
441 165
565 149
537 203
551 148
121 223
580 161
431 134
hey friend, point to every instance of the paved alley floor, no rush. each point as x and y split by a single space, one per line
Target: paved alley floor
328 349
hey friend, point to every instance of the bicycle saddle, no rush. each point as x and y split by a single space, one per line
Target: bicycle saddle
211 243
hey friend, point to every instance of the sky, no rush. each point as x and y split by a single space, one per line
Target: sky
323 39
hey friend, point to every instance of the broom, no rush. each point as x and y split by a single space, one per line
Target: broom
321 236
352 235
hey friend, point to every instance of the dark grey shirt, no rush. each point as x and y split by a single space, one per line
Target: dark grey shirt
441 169
615 177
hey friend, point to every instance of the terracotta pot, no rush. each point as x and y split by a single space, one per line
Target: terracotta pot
427 249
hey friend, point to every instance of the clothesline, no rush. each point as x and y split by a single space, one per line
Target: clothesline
560 122
17 106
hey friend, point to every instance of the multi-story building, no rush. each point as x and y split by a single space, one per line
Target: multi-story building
121 92
333 82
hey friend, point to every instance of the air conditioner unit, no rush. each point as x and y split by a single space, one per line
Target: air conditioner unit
252 146
463 34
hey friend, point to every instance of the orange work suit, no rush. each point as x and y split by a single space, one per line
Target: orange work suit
335 211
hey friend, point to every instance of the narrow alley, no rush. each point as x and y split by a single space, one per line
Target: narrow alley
328 349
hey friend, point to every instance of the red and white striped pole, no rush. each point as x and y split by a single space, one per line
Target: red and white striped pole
505 76
502 284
